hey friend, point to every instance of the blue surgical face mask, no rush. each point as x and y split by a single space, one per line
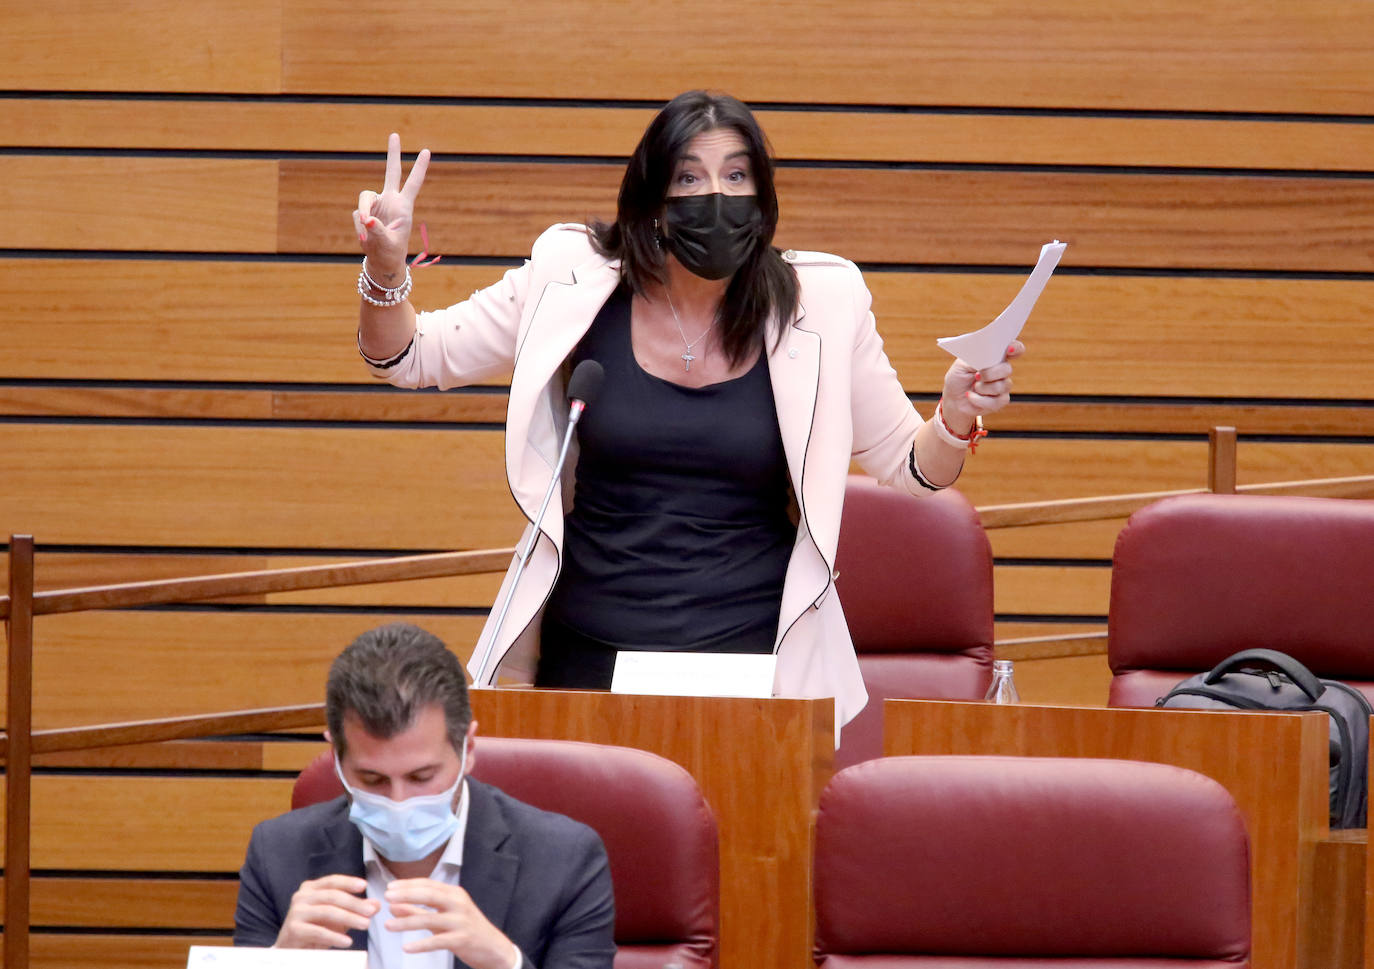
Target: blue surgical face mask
405 830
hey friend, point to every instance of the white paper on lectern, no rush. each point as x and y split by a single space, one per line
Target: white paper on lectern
985 347
247 957
693 674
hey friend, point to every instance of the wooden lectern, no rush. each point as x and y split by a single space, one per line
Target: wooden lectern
761 765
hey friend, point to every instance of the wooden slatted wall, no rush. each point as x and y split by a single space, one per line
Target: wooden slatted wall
179 390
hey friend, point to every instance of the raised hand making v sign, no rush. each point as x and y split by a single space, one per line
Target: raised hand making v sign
383 221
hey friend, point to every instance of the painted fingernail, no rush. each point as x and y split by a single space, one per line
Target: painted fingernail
362 236
977 376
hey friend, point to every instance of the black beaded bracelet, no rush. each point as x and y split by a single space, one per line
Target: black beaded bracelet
921 479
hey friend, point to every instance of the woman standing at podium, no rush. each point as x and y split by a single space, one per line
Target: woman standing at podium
703 508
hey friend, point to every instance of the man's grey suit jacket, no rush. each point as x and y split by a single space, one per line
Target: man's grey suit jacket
541 878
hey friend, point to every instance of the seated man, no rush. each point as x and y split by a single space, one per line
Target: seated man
418 861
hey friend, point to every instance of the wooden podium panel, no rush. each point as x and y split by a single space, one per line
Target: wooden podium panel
761 765
1274 765
1333 916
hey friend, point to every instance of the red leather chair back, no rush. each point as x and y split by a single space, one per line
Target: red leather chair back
992 862
316 783
915 579
1198 577
659 832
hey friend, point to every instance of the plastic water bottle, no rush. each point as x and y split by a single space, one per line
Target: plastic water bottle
1003 688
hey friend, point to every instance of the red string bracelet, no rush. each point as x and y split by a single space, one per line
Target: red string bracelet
969 440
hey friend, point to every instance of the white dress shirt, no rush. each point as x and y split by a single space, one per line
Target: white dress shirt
384 947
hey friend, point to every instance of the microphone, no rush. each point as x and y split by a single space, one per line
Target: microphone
583 387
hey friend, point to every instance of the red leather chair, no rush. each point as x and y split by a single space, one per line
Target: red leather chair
915 578
1198 577
659 832
1021 862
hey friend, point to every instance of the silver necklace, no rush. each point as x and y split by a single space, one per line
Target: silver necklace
687 356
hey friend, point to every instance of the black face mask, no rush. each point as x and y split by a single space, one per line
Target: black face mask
712 235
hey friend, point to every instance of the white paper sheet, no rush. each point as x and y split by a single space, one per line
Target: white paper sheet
246 957
985 347
693 674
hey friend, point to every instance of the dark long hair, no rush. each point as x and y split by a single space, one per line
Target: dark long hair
763 291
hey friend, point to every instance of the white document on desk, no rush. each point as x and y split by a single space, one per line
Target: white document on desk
247 957
693 674
985 347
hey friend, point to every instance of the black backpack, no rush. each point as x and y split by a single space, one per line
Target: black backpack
1265 679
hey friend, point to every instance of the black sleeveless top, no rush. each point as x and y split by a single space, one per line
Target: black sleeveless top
679 536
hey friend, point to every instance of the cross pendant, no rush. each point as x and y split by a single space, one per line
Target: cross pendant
687 359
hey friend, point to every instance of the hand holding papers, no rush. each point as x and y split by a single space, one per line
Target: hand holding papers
983 348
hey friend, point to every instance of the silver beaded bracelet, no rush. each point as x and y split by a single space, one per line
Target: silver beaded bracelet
378 295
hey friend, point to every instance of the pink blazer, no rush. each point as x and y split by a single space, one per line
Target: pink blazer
837 399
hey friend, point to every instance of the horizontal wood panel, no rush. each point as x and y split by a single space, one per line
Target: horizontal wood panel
195 403
360 488
79 45
1051 590
113 667
300 488
1073 540
524 129
1047 469
290 751
160 204
151 903
472 208
129 823
173 755
281 322
291 756
70 570
259 487
1156 221
59 951
1128 416
1008 630
1142 335
1121 416
1065 681
903 216
1246 222
1170 54
189 320
1297 58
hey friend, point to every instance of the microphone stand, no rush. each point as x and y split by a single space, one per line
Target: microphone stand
481 661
